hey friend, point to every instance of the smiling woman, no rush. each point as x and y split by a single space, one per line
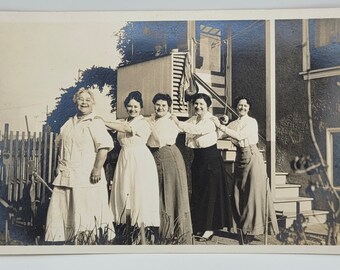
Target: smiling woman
211 189
79 203
135 194
252 198
84 101
173 187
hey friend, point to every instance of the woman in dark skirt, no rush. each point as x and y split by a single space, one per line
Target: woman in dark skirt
252 194
175 226
211 188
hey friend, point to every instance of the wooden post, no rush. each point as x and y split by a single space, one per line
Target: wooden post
10 168
34 162
270 104
55 155
28 154
50 151
5 154
39 165
305 46
27 127
44 165
191 37
22 165
16 161
228 70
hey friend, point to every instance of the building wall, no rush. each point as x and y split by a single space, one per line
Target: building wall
292 133
149 77
248 67
292 130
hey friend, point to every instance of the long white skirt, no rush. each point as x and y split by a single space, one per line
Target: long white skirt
78 210
135 187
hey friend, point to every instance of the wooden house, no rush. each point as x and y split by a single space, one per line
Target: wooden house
268 61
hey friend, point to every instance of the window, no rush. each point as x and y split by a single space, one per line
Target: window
333 155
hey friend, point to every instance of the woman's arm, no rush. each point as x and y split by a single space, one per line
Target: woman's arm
229 132
205 128
98 165
119 126
116 125
250 129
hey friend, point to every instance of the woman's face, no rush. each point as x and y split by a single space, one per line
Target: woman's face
133 108
200 106
84 103
243 107
161 108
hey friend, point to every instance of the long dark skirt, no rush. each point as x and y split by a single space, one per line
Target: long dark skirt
211 191
251 191
175 226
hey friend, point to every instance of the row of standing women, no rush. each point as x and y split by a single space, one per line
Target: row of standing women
150 180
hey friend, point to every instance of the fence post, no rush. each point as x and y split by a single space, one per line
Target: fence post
22 165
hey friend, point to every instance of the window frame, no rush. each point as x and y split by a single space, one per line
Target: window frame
329 153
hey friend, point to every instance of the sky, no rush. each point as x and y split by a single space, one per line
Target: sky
37 59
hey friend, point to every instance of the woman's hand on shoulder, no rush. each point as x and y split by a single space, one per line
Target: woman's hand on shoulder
174 118
224 119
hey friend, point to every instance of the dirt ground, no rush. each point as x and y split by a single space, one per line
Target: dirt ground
226 238
20 235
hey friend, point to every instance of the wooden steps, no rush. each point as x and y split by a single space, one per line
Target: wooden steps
293 204
289 204
287 190
287 201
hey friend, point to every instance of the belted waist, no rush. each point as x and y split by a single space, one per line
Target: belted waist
248 146
252 148
152 149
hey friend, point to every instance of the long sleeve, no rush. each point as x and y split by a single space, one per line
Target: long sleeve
249 131
200 134
198 129
245 131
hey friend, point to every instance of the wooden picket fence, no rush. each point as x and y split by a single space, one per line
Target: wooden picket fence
25 159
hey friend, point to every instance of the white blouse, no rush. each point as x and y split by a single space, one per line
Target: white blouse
140 132
80 142
247 129
199 133
164 131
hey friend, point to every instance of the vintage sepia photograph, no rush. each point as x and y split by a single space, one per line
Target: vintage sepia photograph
154 131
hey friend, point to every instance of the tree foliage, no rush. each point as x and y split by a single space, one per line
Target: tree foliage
140 41
96 77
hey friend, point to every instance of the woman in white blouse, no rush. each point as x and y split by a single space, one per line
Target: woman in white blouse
79 202
210 199
175 224
251 181
135 182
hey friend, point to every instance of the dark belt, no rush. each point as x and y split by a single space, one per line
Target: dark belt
153 149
